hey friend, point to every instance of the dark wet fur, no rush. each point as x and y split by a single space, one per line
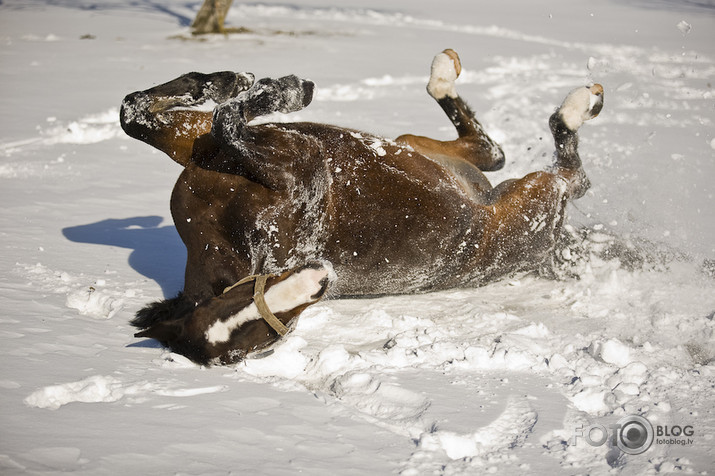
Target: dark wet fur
159 311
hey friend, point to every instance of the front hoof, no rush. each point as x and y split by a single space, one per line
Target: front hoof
308 90
294 93
244 81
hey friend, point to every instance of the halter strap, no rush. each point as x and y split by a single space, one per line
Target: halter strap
260 301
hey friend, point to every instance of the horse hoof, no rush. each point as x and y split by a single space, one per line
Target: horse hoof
445 69
580 105
244 81
455 59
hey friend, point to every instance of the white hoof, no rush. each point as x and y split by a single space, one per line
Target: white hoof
580 105
445 70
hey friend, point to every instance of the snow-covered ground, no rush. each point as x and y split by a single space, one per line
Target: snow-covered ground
496 379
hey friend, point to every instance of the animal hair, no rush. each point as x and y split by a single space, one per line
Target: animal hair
164 310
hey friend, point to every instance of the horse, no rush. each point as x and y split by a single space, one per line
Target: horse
408 215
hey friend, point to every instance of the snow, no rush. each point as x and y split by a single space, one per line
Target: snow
492 380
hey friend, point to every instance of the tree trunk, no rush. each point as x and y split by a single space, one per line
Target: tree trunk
211 17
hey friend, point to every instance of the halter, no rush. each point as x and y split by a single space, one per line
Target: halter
260 301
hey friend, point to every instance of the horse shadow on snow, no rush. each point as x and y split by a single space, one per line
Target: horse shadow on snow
157 251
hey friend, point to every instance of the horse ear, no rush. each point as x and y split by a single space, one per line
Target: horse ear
165 332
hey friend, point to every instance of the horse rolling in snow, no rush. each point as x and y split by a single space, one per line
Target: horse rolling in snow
404 216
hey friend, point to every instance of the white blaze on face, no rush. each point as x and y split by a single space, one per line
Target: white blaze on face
577 107
292 292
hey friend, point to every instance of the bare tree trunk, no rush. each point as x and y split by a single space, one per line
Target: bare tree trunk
211 17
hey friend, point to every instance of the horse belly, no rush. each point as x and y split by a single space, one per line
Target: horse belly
393 233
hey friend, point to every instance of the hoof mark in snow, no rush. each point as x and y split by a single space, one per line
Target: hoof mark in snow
107 389
438 448
386 404
190 392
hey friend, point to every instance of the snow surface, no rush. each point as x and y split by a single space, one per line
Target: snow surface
490 380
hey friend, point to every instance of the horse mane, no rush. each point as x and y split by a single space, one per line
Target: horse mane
164 310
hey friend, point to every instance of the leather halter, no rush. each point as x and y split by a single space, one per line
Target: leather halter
260 300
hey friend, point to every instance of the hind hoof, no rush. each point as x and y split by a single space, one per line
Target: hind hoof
596 100
445 69
580 105
455 59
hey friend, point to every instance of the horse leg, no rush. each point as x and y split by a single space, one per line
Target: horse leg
580 105
473 145
526 214
162 116
262 154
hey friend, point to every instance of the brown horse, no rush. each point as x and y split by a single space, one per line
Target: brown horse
404 216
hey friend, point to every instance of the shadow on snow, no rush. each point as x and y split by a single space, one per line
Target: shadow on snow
134 6
158 252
